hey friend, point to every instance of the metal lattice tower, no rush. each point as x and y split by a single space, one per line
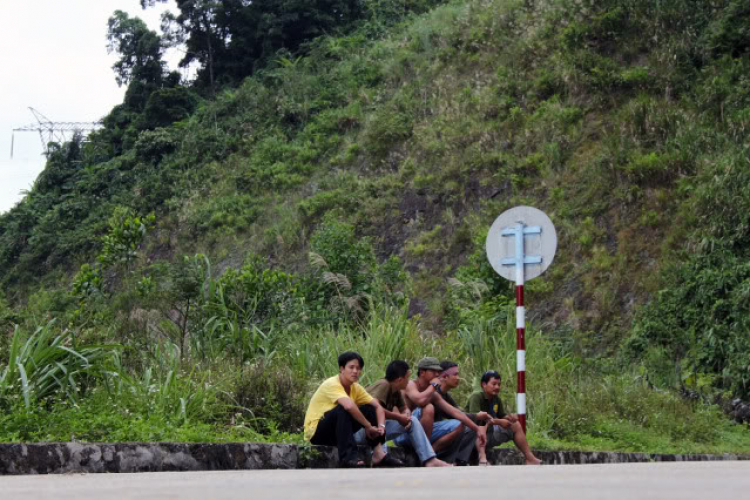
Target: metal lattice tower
50 131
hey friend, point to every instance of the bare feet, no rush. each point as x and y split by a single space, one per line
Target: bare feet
377 454
436 462
533 461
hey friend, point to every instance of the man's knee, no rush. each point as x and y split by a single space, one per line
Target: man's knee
516 427
428 411
414 423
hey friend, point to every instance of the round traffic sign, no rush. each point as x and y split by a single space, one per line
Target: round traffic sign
539 242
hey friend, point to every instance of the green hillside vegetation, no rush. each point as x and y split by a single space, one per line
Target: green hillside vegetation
192 270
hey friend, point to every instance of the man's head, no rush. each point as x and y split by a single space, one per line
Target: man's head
397 373
491 383
428 368
450 374
350 366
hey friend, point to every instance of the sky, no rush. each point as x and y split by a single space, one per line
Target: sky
53 57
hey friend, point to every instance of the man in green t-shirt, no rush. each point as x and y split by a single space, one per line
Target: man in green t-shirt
500 426
399 420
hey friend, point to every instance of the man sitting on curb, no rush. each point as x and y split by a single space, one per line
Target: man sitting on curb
463 447
501 427
423 398
339 408
399 420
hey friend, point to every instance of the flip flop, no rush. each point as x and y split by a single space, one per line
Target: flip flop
351 464
389 461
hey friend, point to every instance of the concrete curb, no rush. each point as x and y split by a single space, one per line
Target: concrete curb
75 457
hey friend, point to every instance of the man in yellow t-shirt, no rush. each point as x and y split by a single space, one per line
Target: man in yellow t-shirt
339 408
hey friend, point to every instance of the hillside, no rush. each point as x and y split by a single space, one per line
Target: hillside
349 181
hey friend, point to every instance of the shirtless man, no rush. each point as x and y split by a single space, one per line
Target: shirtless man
422 397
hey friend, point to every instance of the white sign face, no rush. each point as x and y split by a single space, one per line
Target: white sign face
538 242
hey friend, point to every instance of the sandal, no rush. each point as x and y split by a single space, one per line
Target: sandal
389 461
351 464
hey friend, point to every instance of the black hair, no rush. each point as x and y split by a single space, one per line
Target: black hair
447 365
396 369
347 356
489 375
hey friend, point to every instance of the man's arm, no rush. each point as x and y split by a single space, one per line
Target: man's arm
353 409
505 420
379 414
420 398
396 415
454 412
473 405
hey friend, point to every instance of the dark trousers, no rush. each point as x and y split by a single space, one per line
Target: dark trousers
337 428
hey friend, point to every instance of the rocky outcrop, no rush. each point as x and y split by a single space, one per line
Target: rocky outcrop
57 458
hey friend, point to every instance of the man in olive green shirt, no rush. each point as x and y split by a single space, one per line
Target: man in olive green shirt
500 426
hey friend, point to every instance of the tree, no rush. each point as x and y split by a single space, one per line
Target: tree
140 50
231 39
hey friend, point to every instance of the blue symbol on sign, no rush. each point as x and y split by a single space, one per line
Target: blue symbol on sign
519 231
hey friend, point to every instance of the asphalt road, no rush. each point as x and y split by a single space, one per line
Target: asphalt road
684 481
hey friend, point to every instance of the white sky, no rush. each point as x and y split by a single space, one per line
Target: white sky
53 57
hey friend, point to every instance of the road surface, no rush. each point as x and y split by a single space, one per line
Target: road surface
681 480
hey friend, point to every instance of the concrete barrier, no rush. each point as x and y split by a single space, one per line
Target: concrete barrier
75 457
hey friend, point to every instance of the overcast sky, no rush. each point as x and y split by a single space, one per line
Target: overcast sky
53 57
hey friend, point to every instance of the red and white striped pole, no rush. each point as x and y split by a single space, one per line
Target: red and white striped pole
520 329
521 356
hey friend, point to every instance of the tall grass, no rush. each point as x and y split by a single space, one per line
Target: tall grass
572 402
163 388
47 364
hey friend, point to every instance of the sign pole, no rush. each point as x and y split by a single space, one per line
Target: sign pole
519 261
508 252
520 341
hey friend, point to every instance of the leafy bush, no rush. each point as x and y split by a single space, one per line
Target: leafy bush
700 321
48 364
273 395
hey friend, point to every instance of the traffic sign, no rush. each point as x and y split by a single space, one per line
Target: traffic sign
539 243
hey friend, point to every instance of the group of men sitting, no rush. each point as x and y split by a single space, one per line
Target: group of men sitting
414 413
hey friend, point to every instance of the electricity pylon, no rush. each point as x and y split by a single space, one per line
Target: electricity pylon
50 131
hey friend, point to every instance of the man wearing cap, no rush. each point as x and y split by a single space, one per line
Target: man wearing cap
423 398
500 426
339 408
399 420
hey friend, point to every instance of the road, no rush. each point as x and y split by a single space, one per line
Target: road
682 480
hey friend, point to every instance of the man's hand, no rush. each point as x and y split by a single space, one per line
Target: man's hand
512 417
374 432
481 441
504 423
407 425
482 416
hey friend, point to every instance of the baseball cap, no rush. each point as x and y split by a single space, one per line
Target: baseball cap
429 364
